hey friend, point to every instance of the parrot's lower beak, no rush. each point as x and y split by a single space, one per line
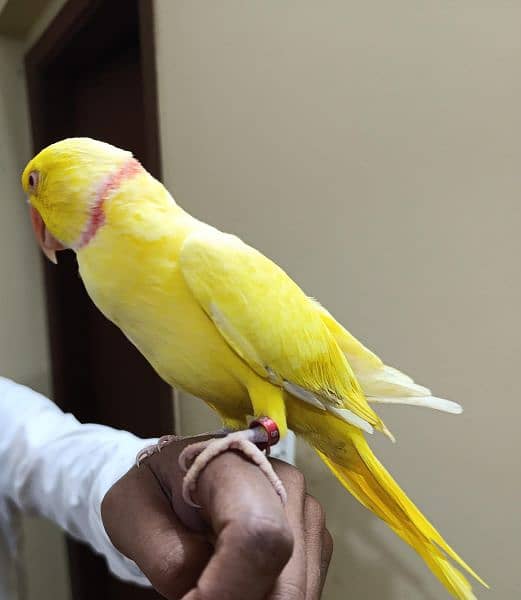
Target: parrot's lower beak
48 243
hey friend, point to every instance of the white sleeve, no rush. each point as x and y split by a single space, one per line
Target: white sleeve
54 466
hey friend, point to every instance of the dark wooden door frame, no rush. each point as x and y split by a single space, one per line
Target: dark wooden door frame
85 30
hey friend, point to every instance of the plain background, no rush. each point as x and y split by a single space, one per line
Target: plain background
373 150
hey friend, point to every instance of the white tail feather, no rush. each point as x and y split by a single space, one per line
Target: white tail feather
389 382
390 386
426 401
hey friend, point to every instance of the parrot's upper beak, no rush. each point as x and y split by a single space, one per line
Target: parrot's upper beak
48 243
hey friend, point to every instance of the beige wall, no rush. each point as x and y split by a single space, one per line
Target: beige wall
373 150
23 346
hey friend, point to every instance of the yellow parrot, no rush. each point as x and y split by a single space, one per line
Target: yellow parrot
220 320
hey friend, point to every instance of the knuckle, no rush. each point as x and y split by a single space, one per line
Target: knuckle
269 538
165 574
173 570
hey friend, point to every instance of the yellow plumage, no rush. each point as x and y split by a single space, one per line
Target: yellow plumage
221 321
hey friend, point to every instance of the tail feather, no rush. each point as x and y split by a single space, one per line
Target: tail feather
447 406
387 385
366 478
380 382
384 479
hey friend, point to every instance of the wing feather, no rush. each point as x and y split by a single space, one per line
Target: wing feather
269 321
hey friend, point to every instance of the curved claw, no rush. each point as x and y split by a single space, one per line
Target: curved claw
164 440
144 454
187 495
190 453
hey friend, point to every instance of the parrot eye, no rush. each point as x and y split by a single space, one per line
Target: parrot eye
32 181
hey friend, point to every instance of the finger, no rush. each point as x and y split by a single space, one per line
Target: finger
314 519
148 532
327 553
254 540
291 585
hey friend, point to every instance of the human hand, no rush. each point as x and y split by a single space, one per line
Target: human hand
241 543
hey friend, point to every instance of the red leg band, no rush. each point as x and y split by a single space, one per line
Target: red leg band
271 429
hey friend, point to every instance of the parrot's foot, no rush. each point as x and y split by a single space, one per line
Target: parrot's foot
196 457
167 439
155 448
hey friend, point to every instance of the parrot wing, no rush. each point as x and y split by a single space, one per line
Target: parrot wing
381 383
355 352
271 324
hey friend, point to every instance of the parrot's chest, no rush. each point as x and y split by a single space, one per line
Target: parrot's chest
155 310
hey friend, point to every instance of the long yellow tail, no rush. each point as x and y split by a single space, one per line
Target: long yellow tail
365 477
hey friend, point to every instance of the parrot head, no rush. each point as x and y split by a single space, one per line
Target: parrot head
62 184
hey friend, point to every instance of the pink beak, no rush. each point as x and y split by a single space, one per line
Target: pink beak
48 243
